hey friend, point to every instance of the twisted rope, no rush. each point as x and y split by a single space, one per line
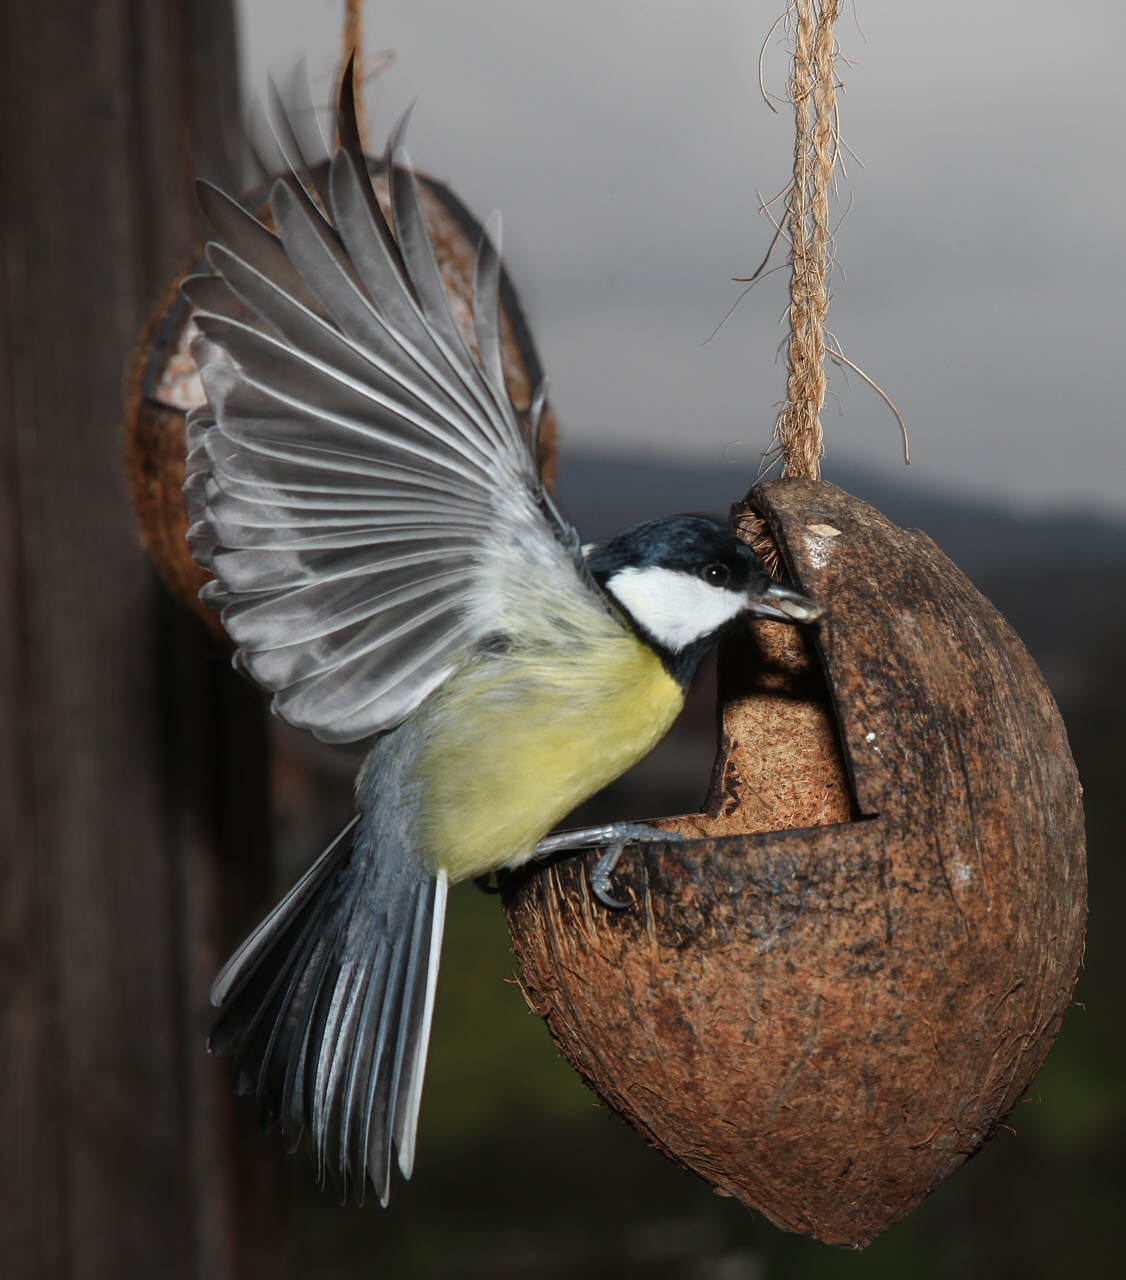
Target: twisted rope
813 94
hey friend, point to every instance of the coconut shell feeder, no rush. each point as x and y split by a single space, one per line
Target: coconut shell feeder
826 1021
831 991
837 985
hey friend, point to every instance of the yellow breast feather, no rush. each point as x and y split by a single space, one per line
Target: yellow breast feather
518 739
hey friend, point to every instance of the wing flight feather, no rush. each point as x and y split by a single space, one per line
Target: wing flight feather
360 479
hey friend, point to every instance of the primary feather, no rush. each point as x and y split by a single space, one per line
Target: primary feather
360 483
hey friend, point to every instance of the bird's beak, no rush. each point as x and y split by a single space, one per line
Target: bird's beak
783 604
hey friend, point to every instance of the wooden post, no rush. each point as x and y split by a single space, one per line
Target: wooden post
132 764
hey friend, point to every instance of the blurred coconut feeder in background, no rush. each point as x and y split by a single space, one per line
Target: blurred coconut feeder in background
835 988
162 385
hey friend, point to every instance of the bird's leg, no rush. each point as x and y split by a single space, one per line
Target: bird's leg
612 837
595 837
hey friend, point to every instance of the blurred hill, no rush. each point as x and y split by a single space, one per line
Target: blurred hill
1048 573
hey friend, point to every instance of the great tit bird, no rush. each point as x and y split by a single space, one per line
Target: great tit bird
389 565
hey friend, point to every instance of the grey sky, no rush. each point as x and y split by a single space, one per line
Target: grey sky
980 266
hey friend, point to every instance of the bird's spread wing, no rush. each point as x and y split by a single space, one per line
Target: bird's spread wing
359 483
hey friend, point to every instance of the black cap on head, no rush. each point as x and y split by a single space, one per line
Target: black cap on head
685 543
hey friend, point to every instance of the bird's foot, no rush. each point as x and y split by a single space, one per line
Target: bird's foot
598 878
612 838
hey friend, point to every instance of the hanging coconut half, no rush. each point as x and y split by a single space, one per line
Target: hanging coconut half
835 988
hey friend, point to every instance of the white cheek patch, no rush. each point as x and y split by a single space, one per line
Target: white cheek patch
675 608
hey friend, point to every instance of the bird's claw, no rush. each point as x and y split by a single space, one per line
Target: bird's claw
613 838
599 878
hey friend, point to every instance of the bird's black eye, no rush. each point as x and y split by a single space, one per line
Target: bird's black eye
716 575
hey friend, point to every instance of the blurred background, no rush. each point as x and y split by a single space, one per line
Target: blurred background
978 282
628 146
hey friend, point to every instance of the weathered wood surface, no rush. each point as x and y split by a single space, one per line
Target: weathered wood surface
826 1022
133 761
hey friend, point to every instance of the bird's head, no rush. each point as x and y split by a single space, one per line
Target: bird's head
681 580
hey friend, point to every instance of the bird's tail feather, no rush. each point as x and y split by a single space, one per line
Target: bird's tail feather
326 1008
